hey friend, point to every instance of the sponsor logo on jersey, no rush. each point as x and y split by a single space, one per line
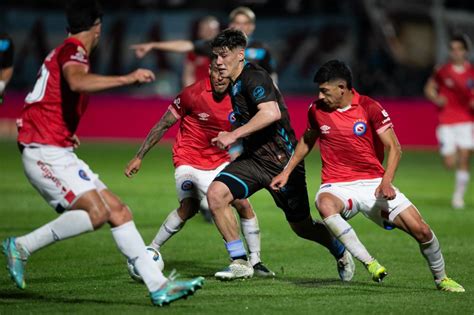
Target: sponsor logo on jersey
324 129
258 93
176 102
360 128
187 185
236 88
203 116
83 175
80 55
232 118
384 113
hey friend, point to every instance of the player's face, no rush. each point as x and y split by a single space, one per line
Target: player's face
457 53
331 93
208 30
243 23
219 84
228 61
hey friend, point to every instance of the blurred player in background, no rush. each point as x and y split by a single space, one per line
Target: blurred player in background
196 66
6 62
204 109
241 18
46 140
451 88
353 131
263 125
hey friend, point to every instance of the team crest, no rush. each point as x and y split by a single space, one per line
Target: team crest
187 185
258 93
232 118
360 128
83 175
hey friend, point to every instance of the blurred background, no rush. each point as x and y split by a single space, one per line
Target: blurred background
391 46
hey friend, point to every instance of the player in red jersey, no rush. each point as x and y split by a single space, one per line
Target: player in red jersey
352 130
204 109
46 139
451 88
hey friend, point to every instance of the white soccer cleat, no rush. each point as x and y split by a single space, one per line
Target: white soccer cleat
346 266
457 203
238 269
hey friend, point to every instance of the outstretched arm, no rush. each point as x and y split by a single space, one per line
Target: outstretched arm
394 153
304 146
180 46
80 81
154 136
431 93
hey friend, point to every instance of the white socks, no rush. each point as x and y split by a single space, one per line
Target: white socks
68 224
432 253
462 179
169 227
131 244
346 235
251 232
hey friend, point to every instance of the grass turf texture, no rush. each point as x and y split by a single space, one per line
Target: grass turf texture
88 274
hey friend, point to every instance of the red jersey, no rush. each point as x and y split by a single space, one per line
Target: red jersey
457 86
52 111
350 147
202 118
201 65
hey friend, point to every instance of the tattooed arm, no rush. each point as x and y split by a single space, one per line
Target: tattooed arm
154 136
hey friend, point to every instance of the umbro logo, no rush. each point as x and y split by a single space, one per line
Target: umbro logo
203 116
324 129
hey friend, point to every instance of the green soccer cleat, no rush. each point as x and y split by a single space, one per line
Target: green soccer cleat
175 290
15 262
377 271
449 285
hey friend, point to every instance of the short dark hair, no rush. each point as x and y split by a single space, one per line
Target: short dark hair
463 39
334 70
230 38
82 14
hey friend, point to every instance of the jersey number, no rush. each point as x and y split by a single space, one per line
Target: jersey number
40 87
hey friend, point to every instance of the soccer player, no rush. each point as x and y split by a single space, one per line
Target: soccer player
46 140
6 62
203 109
353 131
263 125
451 88
196 66
241 18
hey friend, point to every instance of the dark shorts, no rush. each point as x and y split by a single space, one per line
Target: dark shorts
245 176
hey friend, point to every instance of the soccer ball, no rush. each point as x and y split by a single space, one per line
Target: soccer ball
155 255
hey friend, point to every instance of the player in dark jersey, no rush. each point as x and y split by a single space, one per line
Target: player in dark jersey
261 121
6 62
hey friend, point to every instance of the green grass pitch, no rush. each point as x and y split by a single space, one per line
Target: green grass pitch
87 274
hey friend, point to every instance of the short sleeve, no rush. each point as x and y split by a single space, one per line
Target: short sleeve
6 52
259 87
72 53
379 117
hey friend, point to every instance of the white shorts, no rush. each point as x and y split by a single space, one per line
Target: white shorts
453 136
193 183
358 196
58 174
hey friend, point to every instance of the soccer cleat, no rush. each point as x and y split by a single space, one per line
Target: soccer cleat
15 262
457 203
377 271
346 266
175 290
259 269
448 284
237 269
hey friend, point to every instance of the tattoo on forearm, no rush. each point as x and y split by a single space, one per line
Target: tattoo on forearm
156 133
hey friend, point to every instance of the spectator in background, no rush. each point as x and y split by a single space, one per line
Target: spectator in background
6 62
451 88
196 66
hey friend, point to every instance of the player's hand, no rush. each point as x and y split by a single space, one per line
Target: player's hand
141 49
224 140
133 167
279 181
75 141
385 191
141 76
441 100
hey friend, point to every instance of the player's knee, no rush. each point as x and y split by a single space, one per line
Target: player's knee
215 197
326 206
119 214
423 233
98 214
243 208
189 208
449 162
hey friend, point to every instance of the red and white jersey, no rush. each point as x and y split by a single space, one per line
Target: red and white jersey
350 147
457 86
202 118
52 111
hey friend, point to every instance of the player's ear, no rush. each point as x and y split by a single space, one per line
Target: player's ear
242 54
